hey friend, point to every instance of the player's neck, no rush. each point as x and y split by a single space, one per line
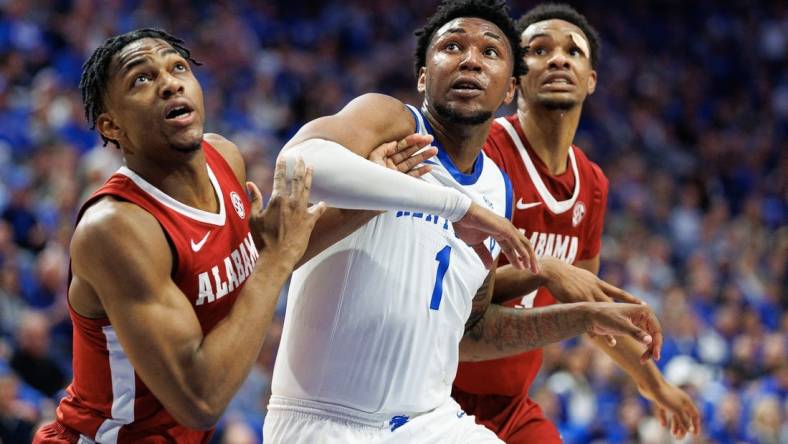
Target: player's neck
186 181
462 143
550 134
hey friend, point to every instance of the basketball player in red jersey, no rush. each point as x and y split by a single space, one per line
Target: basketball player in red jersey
560 200
175 273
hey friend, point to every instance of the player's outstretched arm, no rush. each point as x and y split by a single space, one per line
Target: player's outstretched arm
567 283
674 407
120 252
337 146
501 331
405 156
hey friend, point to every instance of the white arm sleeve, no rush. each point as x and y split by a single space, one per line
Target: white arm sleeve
343 179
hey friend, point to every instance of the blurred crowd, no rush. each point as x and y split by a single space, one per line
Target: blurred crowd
689 122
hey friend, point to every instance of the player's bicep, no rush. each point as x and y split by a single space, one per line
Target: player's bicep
481 300
130 272
362 125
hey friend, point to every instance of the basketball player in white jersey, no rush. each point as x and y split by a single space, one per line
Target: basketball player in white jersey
373 325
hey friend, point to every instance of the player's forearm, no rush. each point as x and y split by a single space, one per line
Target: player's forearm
334 225
225 356
504 331
343 179
511 283
627 353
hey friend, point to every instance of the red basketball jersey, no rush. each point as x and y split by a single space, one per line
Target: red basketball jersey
213 256
563 217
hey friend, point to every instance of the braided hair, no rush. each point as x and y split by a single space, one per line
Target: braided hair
95 71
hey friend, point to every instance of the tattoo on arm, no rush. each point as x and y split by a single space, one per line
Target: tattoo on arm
502 331
481 301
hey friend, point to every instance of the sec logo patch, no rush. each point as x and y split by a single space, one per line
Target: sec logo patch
238 204
578 213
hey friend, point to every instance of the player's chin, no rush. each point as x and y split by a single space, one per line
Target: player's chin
558 101
187 141
465 113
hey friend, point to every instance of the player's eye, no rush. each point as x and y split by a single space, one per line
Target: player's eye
141 79
452 46
180 67
575 52
491 52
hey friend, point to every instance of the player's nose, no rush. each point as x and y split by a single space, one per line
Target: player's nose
169 85
558 59
471 59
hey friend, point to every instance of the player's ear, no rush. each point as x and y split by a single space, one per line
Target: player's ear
106 125
591 82
421 86
511 91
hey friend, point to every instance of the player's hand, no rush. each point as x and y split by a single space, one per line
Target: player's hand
568 283
674 409
635 320
480 223
283 227
405 155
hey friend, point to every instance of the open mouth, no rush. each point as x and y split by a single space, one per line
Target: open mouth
558 80
178 112
466 85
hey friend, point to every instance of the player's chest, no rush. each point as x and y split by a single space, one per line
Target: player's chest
556 229
538 202
429 243
214 263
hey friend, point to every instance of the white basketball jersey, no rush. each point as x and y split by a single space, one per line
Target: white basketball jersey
373 323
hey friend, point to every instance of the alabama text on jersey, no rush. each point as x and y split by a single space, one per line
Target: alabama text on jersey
561 215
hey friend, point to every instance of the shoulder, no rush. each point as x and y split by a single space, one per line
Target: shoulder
230 152
496 131
379 101
363 124
110 230
222 145
593 172
380 108
492 143
498 142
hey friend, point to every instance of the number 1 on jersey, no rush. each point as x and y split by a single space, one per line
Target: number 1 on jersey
442 257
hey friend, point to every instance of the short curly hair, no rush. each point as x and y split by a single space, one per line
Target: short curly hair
95 71
493 11
562 11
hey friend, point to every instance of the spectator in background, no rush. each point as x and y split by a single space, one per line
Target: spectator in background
11 303
238 432
31 358
690 127
727 426
28 233
16 417
50 278
767 420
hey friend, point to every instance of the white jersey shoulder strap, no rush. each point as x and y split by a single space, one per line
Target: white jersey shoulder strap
421 128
